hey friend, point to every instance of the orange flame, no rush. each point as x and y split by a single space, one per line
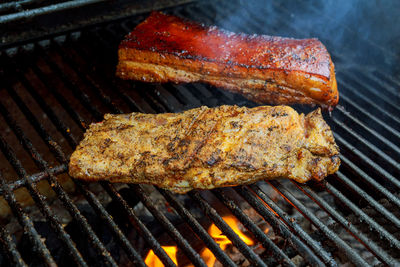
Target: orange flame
206 254
152 259
222 240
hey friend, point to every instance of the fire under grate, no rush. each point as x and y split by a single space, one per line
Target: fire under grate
52 89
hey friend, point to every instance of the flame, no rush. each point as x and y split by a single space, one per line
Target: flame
206 254
152 259
233 223
222 240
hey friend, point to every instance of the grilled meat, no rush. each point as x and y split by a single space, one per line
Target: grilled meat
264 69
207 148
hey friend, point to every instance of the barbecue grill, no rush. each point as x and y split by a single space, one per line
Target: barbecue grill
56 80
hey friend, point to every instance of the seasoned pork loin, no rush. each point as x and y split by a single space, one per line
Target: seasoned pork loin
264 69
206 148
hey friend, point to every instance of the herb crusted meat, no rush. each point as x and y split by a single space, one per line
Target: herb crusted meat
263 68
205 148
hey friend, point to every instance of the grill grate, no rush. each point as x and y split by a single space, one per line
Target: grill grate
52 89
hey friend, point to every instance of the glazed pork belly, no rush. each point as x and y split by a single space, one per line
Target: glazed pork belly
264 69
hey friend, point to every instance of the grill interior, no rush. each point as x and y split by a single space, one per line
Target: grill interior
53 88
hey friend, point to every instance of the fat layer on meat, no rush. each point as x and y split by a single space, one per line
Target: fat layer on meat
205 148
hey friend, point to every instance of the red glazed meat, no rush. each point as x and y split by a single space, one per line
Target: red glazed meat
264 69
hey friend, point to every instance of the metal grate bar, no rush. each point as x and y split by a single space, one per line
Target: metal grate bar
16 5
40 201
183 93
27 14
372 202
370 116
143 230
375 84
273 217
375 107
198 229
147 92
376 250
75 60
53 146
37 243
132 254
116 231
385 143
61 127
291 223
34 178
374 149
72 209
386 175
343 246
83 74
372 93
162 257
140 104
390 82
224 227
357 211
260 235
79 94
133 105
95 203
144 92
172 231
53 88
356 170
107 101
9 248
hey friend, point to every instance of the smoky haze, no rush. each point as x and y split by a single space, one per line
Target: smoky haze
361 32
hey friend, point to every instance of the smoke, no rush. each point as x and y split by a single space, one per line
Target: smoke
363 32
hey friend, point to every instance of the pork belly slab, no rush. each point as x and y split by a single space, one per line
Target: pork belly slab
264 69
205 148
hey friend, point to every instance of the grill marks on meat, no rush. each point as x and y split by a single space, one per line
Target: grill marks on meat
206 148
265 69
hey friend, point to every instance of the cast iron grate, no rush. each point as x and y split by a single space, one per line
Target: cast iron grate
52 89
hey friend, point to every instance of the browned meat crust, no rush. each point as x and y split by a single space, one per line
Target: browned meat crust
207 148
265 69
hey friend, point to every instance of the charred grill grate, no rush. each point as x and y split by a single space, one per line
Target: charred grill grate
52 89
